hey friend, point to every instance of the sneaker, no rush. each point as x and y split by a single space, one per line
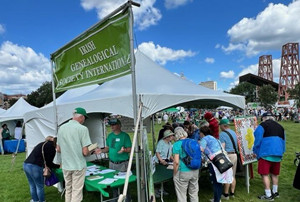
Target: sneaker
264 197
225 197
231 195
276 195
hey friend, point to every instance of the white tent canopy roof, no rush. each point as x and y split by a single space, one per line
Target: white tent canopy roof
158 88
17 111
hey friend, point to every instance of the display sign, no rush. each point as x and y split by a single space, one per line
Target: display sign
245 128
100 54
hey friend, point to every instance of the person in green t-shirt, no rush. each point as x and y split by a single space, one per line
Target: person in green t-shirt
118 147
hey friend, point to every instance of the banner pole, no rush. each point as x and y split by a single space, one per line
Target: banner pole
54 99
247 170
134 97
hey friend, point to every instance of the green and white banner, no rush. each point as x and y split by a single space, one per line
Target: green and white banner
100 54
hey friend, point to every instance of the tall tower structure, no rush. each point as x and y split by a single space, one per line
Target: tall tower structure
265 67
289 70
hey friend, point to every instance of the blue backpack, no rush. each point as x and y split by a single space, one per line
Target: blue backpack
193 153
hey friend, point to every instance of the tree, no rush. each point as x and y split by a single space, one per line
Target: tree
42 96
295 94
267 96
246 89
12 101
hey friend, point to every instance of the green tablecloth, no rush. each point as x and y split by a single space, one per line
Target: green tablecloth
92 185
162 174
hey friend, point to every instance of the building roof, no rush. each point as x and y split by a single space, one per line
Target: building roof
257 80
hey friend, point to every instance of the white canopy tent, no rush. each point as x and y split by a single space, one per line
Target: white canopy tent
14 113
158 88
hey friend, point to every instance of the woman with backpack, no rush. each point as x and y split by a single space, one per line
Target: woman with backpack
184 178
211 146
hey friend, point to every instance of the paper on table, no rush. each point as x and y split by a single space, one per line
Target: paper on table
107 181
122 175
94 177
92 167
106 171
170 167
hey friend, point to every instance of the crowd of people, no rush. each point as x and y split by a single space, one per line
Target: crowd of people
212 136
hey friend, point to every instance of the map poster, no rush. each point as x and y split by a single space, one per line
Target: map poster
244 128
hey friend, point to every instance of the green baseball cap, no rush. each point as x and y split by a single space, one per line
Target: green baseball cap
224 122
81 111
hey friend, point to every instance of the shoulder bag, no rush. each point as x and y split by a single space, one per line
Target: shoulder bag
221 161
46 170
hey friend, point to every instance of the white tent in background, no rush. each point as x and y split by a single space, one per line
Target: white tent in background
224 108
15 112
158 88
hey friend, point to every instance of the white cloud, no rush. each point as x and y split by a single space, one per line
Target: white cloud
275 26
227 75
163 54
2 29
210 60
144 16
170 4
22 70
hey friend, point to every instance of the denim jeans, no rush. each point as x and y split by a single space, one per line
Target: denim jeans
217 187
34 174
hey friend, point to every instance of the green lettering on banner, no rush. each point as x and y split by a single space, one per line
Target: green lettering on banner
100 54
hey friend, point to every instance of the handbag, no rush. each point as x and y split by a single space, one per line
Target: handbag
224 178
46 170
52 180
221 161
239 165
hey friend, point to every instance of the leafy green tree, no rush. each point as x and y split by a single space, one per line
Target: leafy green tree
295 94
246 89
12 101
42 96
267 96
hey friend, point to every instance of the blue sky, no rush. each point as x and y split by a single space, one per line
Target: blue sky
201 39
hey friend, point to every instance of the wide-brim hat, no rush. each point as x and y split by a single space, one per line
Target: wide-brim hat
168 133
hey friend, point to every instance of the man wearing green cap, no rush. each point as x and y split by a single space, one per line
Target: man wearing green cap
229 143
118 147
73 140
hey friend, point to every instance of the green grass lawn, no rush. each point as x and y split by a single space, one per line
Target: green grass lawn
14 186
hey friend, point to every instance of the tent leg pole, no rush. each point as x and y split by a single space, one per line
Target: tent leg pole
153 135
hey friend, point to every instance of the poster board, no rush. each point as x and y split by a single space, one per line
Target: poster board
244 128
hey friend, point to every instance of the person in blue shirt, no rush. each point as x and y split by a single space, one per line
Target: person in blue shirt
210 146
269 147
229 148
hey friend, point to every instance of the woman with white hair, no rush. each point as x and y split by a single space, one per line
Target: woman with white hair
184 178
